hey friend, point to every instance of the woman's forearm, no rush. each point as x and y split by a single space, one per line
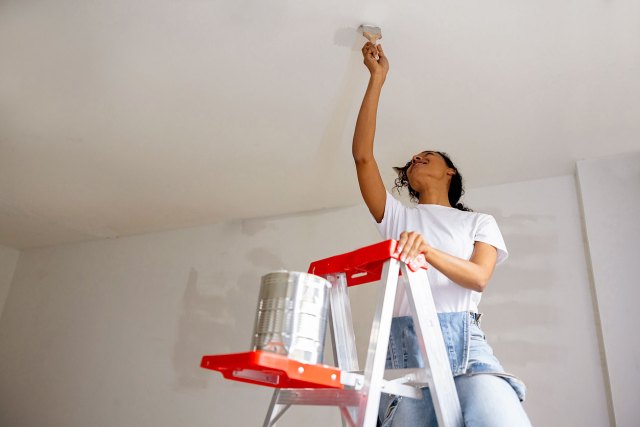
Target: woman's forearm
472 274
465 273
364 133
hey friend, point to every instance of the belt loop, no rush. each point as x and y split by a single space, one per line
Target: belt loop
475 318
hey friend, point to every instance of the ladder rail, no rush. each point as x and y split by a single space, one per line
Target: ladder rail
442 385
276 409
343 337
378 343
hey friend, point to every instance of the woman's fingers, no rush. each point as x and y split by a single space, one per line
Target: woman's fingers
409 246
410 249
370 51
368 56
401 242
415 248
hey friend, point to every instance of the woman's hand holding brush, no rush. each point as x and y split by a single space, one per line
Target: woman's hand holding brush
375 60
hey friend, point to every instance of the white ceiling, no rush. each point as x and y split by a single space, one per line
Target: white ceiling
122 117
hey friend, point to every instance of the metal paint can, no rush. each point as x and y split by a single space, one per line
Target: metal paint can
291 317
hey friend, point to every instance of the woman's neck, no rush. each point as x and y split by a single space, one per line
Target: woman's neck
434 197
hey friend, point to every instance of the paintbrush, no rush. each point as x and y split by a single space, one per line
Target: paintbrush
372 33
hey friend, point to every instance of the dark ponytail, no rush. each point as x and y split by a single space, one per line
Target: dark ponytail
456 189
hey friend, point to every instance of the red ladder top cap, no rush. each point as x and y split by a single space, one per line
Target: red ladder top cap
365 263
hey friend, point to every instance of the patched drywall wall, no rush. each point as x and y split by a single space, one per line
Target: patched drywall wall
111 332
539 309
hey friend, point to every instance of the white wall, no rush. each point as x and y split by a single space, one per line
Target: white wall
8 260
111 333
539 309
610 189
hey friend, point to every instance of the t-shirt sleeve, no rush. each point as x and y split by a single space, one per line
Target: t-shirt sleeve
389 226
488 232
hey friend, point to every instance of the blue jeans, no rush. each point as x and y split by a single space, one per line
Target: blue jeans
489 396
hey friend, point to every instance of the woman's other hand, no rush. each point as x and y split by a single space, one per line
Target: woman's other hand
410 245
375 60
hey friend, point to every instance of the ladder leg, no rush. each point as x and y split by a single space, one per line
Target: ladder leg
377 353
442 385
343 340
343 337
275 411
347 417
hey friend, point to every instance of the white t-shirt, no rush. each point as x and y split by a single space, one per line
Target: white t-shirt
447 229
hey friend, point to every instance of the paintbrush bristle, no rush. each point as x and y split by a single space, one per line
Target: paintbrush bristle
371 32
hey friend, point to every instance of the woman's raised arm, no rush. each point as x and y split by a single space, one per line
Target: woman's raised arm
371 185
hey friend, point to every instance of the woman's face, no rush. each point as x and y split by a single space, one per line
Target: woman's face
428 165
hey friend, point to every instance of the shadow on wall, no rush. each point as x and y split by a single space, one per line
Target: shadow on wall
349 90
211 324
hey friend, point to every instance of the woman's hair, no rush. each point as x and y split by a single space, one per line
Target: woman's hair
456 189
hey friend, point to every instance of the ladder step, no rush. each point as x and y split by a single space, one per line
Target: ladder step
272 370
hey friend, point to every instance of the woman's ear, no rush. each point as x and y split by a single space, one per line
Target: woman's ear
451 172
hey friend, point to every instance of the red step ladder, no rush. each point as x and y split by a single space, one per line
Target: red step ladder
357 393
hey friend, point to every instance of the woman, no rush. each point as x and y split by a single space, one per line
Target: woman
463 248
